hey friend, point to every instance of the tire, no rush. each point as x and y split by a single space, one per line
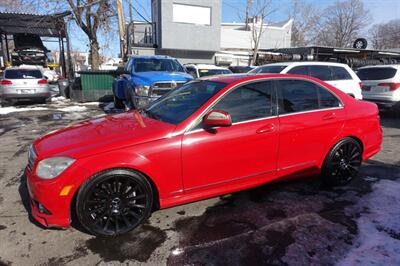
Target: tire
119 104
342 163
114 202
360 43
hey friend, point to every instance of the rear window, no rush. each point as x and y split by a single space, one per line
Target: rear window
212 72
376 73
340 73
23 74
320 72
268 69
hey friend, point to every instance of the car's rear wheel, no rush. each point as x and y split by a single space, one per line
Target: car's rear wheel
343 162
114 202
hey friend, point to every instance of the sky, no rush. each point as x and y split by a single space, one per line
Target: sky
381 11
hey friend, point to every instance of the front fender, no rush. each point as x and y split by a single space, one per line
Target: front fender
160 161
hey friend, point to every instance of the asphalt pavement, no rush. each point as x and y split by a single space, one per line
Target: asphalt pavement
295 223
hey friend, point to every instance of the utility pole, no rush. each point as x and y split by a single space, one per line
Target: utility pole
130 11
121 27
249 3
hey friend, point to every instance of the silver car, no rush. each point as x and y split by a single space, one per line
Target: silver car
24 84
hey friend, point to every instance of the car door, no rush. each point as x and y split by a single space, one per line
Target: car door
241 152
310 117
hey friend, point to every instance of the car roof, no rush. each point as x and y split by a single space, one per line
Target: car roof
306 63
206 66
233 78
152 57
23 68
377 66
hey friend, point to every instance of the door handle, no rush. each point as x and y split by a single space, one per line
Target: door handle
329 116
266 129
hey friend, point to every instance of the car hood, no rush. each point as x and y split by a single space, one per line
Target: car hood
148 78
102 134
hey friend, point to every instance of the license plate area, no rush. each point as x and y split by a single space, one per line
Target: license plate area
26 91
379 89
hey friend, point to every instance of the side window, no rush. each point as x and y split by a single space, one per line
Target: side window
191 71
128 66
326 99
320 72
340 73
297 96
249 102
299 70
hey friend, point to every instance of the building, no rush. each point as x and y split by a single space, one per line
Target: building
191 30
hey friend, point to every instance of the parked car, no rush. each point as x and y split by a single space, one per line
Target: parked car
146 78
24 84
381 84
338 75
204 70
209 137
241 69
29 50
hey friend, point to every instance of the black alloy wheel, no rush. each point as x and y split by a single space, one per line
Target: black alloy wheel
114 202
343 162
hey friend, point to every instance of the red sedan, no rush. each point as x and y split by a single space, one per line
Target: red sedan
207 138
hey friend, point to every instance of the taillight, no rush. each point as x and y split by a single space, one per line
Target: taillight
361 85
42 81
392 86
5 82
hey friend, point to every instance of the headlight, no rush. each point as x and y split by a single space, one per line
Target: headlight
53 167
142 90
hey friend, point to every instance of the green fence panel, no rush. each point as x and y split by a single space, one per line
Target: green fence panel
96 80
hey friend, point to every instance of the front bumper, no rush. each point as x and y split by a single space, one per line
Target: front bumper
46 192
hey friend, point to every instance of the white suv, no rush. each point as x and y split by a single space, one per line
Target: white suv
202 70
338 75
381 84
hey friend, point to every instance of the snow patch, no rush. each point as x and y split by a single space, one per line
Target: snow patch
59 99
7 110
75 108
91 103
379 228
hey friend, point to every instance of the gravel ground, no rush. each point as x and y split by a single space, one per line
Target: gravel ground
296 223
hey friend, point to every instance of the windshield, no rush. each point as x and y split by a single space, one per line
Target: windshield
179 104
155 64
376 73
212 72
23 74
268 69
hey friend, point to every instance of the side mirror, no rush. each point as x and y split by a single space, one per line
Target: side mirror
217 118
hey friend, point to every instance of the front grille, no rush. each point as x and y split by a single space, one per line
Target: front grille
161 88
31 157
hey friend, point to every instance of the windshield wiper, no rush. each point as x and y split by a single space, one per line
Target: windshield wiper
150 114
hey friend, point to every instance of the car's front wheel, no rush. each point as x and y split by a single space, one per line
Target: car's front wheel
114 202
343 162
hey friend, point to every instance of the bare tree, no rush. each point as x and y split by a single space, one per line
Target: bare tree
90 16
386 35
342 23
259 11
305 17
